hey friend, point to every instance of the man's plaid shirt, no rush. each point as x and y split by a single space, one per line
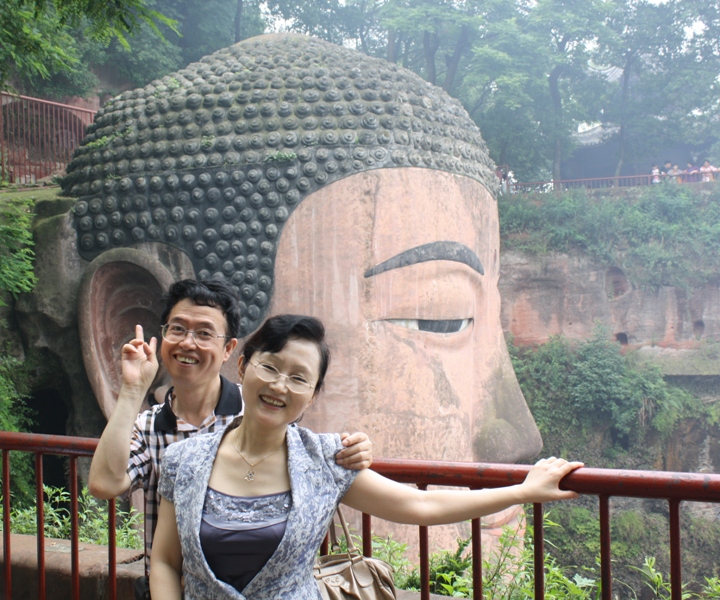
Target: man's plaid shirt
155 430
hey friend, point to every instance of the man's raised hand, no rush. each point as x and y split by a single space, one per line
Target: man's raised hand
139 361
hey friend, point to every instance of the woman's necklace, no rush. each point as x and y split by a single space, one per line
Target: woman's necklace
250 475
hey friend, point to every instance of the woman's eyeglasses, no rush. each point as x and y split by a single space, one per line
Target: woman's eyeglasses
269 374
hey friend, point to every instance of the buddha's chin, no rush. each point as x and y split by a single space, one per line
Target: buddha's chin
512 519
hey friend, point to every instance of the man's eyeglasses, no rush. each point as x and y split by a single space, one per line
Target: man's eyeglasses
269 374
204 338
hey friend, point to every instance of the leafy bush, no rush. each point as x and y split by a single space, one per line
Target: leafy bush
579 393
16 254
92 520
16 276
661 235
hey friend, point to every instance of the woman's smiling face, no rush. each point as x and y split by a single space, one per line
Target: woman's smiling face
273 403
401 265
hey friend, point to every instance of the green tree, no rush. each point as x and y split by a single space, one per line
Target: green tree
352 22
562 35
200 28
75 79
16 276
35 34
667 89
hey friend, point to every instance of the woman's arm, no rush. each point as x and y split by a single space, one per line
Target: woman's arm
376 495
166 558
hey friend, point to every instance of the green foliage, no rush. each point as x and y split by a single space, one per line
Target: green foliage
656 581
35 35
16 416
32 43
16 255
394 553
590 390
92 520
660 235
507 573
449 572
74 78
280 156
149 55
16 276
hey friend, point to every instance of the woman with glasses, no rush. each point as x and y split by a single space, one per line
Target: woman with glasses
244 511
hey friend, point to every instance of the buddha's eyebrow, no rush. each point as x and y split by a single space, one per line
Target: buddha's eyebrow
427 252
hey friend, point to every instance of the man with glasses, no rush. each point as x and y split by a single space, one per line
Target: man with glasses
201 323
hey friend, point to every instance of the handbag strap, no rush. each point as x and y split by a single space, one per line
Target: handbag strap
334 546
350 546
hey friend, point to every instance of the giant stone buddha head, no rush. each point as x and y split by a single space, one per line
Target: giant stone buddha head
321 181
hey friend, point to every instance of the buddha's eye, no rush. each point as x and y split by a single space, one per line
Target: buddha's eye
433 326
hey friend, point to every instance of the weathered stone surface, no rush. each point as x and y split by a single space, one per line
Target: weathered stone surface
557 294
677 329
93 565
47 317
214 158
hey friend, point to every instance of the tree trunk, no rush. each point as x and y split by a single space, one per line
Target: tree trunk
238 20
431 43
623 109
393 48
553 82
454 60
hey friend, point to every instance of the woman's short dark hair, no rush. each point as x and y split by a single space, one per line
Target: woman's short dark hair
278 330
213 292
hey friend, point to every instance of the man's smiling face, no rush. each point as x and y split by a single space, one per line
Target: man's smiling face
402 265
185 361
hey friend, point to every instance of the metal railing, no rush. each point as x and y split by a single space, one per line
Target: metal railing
38 137
604 483
39 445
602 183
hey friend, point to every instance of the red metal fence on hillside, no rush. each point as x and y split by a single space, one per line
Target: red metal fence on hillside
604 183
604 483
37 137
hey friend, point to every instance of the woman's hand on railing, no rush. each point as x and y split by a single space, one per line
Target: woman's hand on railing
542 483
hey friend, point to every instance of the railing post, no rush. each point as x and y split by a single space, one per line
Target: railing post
424 559
74 531
605 564
539 552
6 523
40 511
367 534
112 551
477 559
675 557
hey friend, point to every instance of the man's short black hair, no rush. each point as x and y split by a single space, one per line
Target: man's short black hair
278 330
213 292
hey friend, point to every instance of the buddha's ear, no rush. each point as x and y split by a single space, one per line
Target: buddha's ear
120 289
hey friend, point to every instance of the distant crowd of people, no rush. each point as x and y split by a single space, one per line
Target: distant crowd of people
671 173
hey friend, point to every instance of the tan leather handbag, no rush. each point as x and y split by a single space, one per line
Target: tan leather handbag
352 575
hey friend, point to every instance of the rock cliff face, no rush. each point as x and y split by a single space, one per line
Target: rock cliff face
677 329
557 294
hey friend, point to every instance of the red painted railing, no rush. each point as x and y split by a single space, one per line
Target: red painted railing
37 137
599 183
39 445
604 483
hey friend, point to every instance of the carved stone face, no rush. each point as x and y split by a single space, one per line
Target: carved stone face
402 266
315 180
